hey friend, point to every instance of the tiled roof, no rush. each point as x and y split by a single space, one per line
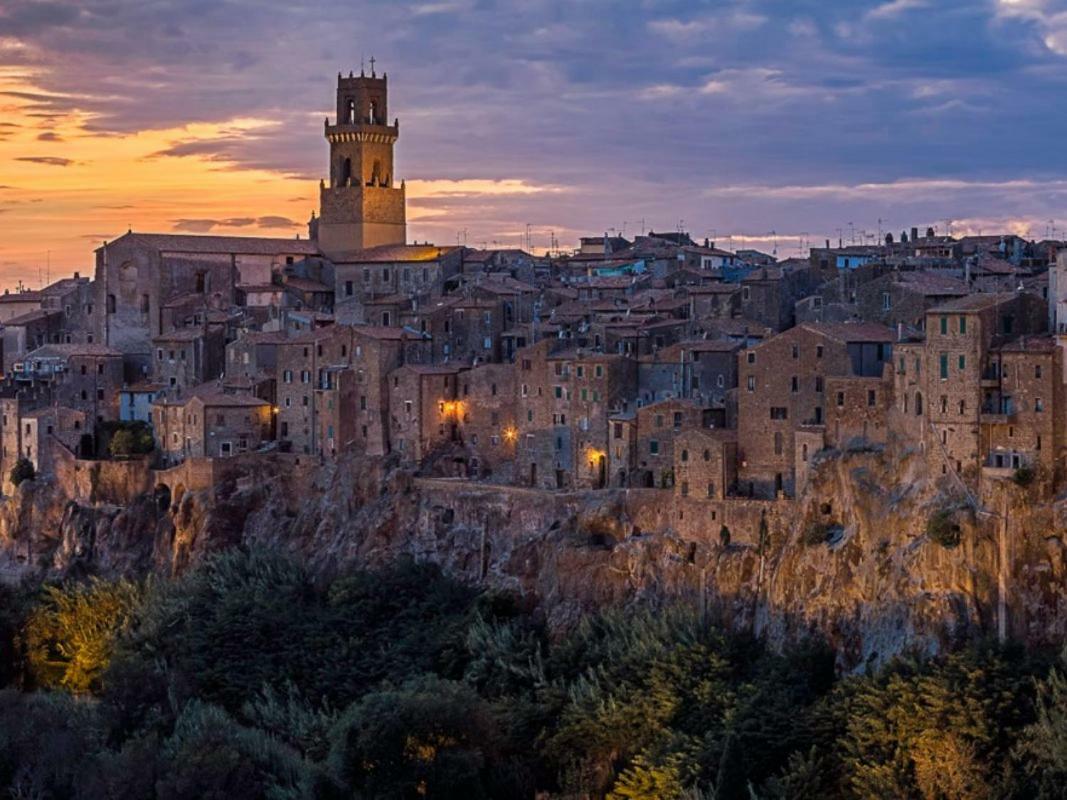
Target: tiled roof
250 245
31 316
974 302
390 253
852 331
68 350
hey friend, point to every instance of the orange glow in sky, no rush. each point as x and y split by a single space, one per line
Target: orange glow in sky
65 189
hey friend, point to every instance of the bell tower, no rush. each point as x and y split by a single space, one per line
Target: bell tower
362 206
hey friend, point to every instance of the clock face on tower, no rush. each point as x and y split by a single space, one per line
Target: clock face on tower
361 206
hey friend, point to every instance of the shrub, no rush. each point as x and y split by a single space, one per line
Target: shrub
71 636
943 528
131 439
22 471
1024 476
818 533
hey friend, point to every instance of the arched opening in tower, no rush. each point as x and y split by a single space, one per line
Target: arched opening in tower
346 172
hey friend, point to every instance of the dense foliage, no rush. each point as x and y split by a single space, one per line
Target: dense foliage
126 439
246 679
22 471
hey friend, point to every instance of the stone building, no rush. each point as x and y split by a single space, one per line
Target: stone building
210 424
1022 416
658 425
782 386
362 207
188 357
426 412
46 428
138 274
402 274
769 294
705 463
84 377
488 425
946 380
903 298
564 401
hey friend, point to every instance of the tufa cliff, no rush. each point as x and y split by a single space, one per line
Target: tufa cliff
854 559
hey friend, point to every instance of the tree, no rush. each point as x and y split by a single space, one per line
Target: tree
22 471
431 737
70 637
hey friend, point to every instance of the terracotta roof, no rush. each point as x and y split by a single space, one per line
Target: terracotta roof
974 302
32 316
307 285
20 297
852 331
389 253
435 369
68 350
180 335
251 245
387 332
1028 344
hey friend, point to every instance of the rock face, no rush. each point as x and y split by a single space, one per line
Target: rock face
851 559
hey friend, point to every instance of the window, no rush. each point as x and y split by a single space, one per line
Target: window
840 399
944 366
685 455
796 351
598 370
944 326
653 447
963 324
963 363
677 420
348 288
872 397
818 383
778 443
659 420
887 301
779 412
685 488
746 293
752 383
1039 405
751 358
944 404
794 384
818 351
963 407
1037 371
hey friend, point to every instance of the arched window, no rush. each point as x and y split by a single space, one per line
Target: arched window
346 172
707 455
350 115
372 113
918 404
685 455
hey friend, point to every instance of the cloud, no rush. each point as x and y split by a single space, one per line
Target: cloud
49 136
894 9
207 225
581 117
52 161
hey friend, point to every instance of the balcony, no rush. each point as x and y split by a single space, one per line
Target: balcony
1002 413
990 377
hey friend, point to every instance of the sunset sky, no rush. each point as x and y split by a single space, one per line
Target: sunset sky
732 119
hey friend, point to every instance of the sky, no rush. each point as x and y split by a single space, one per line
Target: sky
765 123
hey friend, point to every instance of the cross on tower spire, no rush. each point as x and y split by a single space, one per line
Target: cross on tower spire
372 60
